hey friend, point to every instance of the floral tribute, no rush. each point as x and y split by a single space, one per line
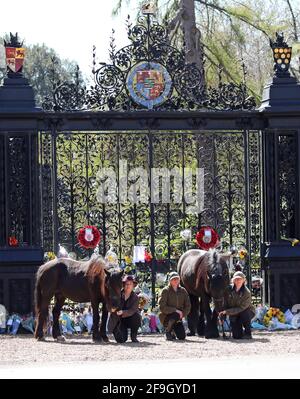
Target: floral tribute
148 257
207 238
89 237
273 312
13 242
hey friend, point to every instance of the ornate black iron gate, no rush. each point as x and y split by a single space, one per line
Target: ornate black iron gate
230 162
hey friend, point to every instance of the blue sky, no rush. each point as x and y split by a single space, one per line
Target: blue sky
70 27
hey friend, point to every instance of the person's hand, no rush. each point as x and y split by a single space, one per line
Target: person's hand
119 312
180 313
222 313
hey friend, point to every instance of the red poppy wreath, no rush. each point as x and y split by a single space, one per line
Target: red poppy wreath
89 237
207 238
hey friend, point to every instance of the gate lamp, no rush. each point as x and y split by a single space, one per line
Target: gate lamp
282 54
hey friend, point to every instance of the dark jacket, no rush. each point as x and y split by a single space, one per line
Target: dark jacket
131 306
170 300
237 301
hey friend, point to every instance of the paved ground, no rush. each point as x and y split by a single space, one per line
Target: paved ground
274 353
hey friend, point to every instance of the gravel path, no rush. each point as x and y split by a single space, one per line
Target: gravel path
23 349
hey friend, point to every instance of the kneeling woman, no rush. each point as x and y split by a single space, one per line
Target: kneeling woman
129 315
174 305
238 307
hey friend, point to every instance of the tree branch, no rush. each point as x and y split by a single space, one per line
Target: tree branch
294 20
229 15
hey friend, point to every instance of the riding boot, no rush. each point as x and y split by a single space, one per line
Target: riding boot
133 336
170 325
170 336
247 330
246 317
236 327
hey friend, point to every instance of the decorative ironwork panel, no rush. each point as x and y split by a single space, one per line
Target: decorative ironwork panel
254 148
222 157
134 172
148 73
18 188
47 182
168 210
2 192
287 180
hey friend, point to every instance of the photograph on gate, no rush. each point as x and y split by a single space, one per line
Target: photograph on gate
149 194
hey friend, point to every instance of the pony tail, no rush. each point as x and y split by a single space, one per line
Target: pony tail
37 296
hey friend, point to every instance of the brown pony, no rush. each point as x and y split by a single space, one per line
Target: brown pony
205 275
80 281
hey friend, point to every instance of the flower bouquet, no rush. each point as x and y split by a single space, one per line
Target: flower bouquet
273 313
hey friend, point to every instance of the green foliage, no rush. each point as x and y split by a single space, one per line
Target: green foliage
233 32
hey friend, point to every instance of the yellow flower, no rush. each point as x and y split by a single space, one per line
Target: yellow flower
127 259
51 255
243 253
295 242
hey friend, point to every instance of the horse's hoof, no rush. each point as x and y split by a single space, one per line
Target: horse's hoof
105 339
41 339
97 340
212 336
61 339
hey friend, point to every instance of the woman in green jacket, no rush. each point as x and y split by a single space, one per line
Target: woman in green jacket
174 305
238 307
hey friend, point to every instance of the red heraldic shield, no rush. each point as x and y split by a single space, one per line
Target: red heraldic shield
15 58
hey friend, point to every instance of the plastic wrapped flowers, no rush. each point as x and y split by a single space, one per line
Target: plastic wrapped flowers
274 319
273 313
143 300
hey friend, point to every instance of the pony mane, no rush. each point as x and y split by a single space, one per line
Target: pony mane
96 267
96 270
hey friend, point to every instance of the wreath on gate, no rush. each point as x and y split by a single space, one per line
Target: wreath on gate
89 237
207 238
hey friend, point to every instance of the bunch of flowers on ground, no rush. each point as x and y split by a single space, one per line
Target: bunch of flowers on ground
273 313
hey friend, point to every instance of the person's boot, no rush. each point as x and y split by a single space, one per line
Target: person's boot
247 333
133 337
237 331
170 336
191 333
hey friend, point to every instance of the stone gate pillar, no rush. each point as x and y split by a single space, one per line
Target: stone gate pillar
20 233
281 172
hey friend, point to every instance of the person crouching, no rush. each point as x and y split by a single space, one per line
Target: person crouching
238 307
128 317
174 304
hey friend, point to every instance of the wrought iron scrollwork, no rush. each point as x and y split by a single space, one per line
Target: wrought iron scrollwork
149 44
